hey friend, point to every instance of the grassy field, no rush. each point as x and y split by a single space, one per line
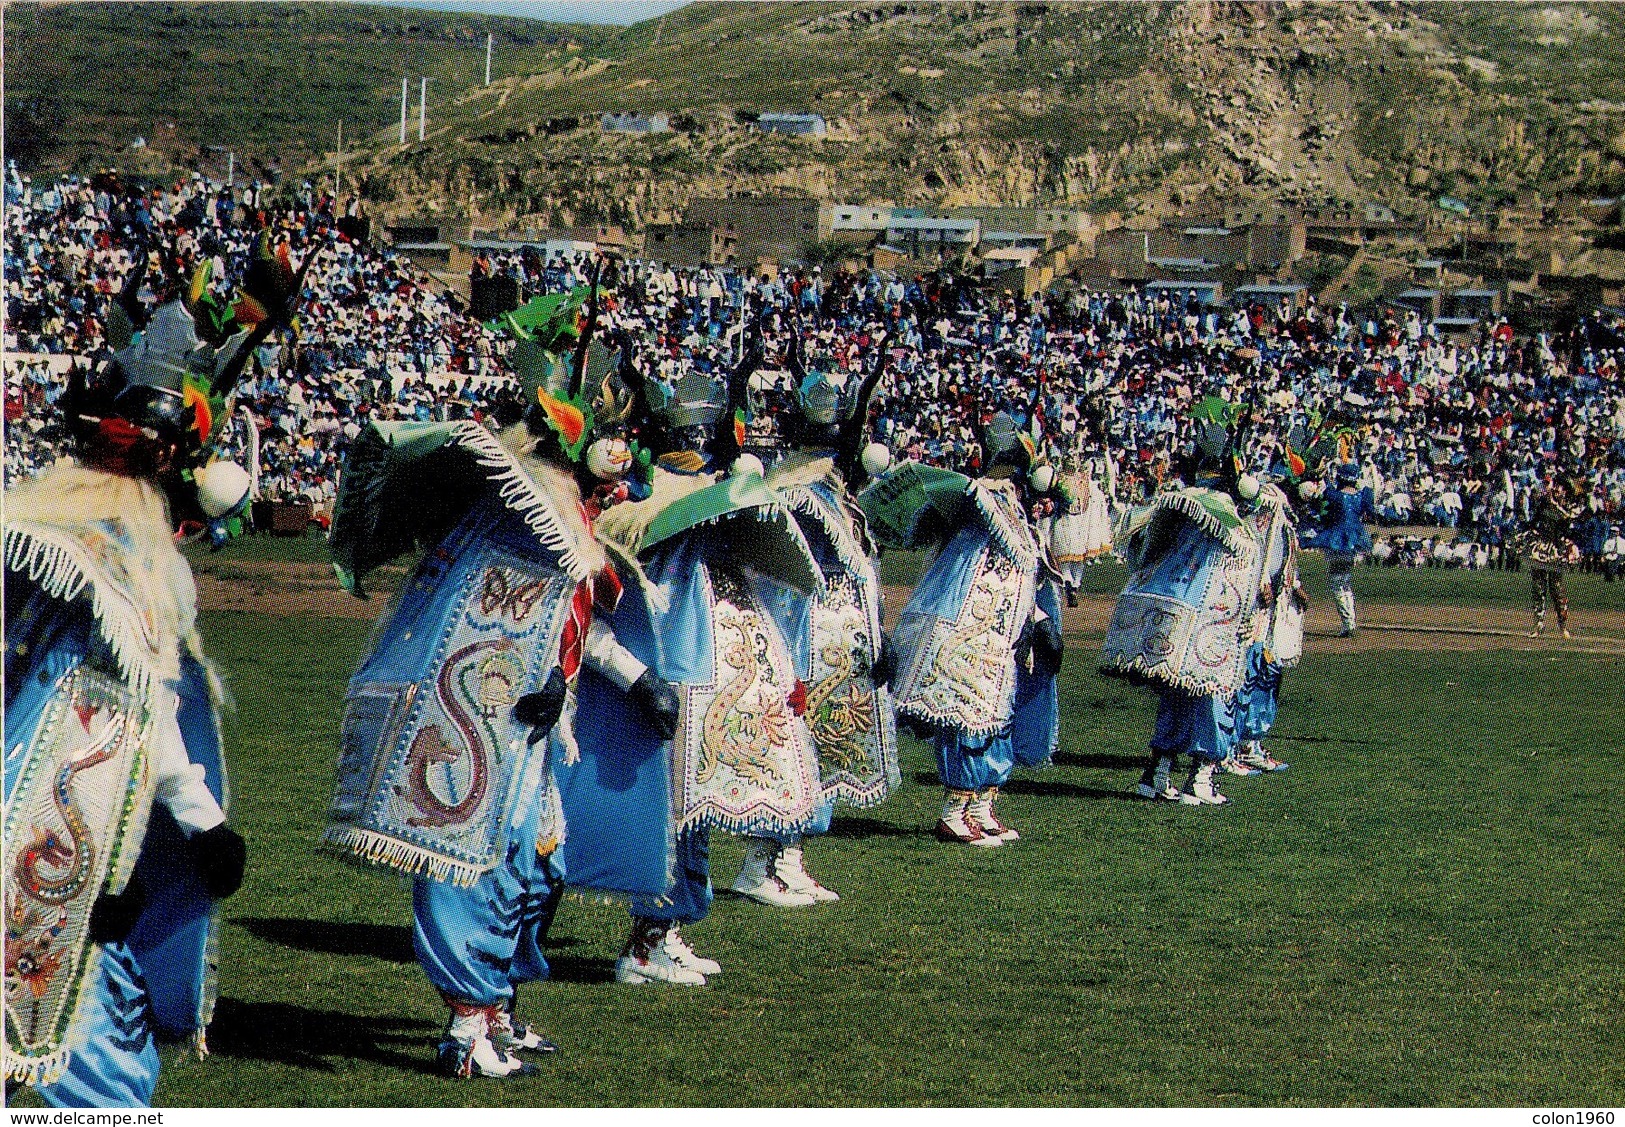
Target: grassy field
1424 910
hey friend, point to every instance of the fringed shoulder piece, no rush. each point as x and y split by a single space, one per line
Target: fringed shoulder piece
1208 509
74 545
1001 510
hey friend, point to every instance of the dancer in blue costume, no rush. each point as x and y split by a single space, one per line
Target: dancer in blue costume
741 758
1276 642
1179 624
1035 727
454 724
1343 538
972 619
839 649
116 843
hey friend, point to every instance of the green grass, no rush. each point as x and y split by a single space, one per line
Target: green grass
1424 910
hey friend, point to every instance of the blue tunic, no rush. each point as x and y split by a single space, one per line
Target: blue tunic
1344 532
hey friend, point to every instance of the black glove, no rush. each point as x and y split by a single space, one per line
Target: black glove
112 918
540 711
658 702
1024 644
1048 644
220 856
885 668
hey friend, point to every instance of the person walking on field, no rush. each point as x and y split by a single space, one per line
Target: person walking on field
1343 538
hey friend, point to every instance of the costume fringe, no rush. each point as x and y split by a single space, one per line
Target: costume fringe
757 822
1197 513
1021 547
848 550
375 850
60 568
1139 672
37 1071
521 494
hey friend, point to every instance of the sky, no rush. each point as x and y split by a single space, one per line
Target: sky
621 12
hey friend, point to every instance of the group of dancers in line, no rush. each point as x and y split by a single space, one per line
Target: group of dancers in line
624 631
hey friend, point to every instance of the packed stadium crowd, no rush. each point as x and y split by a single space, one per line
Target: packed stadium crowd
1450 432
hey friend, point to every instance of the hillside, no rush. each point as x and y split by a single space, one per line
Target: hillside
1197 105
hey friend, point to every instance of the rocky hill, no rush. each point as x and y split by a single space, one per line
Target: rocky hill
1197 105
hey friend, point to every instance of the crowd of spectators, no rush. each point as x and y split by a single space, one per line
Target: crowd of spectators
1459 433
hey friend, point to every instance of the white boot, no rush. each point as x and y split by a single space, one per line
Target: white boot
1254 755
645 958
956 825
511 1035
760 881
466 1050
1199 789
1343 596
1155 784
683 955
792 870
980 814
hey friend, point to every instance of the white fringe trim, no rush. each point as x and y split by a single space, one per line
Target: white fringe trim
758 822
521 495
848 550
36 1071
1021 548
374 849
1195 512
1138 667
61 568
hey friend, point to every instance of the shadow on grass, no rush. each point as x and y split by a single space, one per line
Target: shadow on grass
857 828
1103 762
587 970
307 1038
1045 789
389 942
1065 790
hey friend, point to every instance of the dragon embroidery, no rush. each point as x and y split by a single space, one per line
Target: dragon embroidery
841 705
747 720
430 746
77 854
970 663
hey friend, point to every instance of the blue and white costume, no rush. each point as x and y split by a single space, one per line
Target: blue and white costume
1178 627
957 644
836 639
441 773
115 790
1343 538
741 758
1276 640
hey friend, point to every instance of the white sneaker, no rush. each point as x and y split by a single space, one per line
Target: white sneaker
466 1051
758 879
791 869
1199 789
956 826
1160 788
646 958
683 955
511 1036
980 814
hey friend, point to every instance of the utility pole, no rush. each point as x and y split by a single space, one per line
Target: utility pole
423 105
403 113
488 58
338 164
